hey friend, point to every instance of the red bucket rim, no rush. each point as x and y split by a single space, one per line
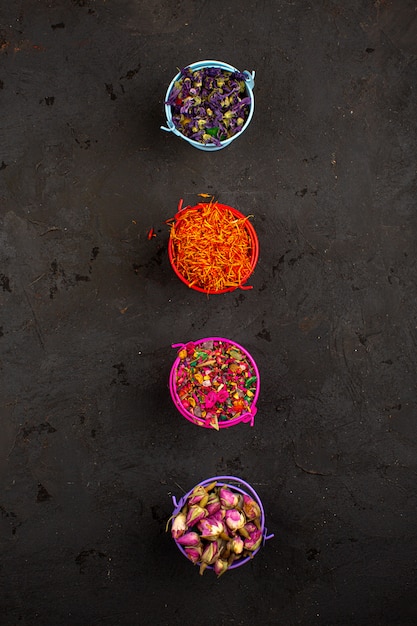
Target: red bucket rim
253 261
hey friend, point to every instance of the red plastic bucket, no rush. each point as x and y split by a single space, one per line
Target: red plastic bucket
237 486
185 375
254 250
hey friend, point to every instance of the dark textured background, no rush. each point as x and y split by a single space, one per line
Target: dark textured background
92 448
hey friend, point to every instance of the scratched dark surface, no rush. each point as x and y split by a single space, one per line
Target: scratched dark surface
92 448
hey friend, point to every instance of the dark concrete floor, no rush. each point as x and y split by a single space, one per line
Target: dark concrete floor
92 448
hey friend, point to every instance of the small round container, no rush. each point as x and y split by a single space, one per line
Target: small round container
247 417
211 147
237 485
253 260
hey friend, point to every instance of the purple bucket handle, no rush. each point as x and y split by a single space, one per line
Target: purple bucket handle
175 503
228 481
248 418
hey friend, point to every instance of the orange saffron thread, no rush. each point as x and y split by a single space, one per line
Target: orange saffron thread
211 247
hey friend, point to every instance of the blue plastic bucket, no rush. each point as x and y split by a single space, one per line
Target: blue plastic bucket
199 65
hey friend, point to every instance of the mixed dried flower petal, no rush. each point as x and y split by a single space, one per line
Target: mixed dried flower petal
215 382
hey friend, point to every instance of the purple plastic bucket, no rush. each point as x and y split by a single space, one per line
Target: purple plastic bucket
247 417
237 485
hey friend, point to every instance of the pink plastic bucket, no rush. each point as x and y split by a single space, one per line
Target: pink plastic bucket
237 485
246 417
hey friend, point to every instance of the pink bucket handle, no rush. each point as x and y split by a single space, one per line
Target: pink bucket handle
249 418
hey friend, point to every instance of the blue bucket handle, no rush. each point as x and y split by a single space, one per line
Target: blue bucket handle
171 127
250 78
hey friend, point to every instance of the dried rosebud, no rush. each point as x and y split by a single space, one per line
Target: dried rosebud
248 529
179 525
219 515
244 532
209 488
220 566
203 501
251 527
194 553
254 540
229 499
195 514
210 554
251 508
210 528
234 519
190 539
222 545
236 544
213 503
197 494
